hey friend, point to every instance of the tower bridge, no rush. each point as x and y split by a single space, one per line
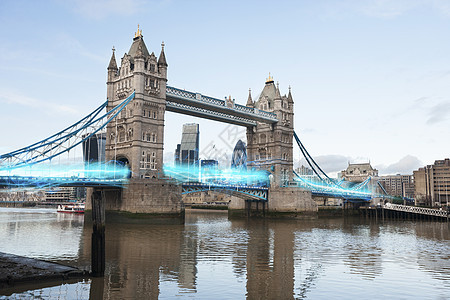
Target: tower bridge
138 98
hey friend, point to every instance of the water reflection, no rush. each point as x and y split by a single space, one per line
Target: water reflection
213 257
40 233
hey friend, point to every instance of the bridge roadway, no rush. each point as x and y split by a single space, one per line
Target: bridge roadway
260 193
253 192
198 105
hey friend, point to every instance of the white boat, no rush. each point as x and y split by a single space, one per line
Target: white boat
77 208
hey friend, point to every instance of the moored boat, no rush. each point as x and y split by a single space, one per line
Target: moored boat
77 208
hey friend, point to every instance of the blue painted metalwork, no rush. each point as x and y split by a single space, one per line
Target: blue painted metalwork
199 105
326 186
321 188
249 192
26 167
62 141
243 183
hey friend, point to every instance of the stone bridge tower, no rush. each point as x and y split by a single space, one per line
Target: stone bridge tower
269 147
136 137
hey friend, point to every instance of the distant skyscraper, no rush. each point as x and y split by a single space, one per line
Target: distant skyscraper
209 169
94 148
239 157
189 145
303 171
177 155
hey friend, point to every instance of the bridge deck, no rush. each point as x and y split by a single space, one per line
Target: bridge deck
196 104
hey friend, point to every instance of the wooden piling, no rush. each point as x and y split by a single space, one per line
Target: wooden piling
98 234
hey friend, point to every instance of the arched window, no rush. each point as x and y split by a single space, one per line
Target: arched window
153 161
121 135
262 138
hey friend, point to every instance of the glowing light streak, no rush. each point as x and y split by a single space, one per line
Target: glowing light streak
321 187
217 175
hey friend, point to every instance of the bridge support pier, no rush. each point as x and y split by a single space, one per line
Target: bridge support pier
98 234
283 202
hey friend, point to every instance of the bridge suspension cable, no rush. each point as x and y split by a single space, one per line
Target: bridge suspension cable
311 162
63 141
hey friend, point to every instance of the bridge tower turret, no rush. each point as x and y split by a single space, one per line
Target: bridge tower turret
136 137
269 147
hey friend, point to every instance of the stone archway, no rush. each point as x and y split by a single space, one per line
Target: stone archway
122 160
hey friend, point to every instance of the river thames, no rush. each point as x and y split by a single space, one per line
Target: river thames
212 257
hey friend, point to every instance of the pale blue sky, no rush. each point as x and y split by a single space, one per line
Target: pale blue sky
370 79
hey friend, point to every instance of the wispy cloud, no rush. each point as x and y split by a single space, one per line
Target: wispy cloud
100 9
19 99
429 108
73 45
439 113
389 8
331 163
406 165
384 8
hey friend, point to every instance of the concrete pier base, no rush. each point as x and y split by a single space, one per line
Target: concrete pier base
144 196
284 202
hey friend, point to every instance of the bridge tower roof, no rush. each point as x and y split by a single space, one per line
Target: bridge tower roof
269 92
138 48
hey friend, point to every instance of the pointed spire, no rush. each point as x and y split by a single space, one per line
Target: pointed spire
290 99
162 57
112 63
250 100
270 79
277 91
138 33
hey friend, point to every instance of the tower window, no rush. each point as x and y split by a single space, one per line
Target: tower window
152 68
122 136
153 161
154 115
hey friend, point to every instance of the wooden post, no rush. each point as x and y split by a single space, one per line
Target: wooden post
98 234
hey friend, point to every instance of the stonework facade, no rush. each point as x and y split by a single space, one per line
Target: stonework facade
269 147
358 172
136 137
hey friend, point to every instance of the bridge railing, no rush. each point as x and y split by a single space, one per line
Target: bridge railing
208 112
417 210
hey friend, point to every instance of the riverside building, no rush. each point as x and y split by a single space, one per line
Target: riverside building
432 184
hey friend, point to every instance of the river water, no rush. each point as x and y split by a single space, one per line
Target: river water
211 257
